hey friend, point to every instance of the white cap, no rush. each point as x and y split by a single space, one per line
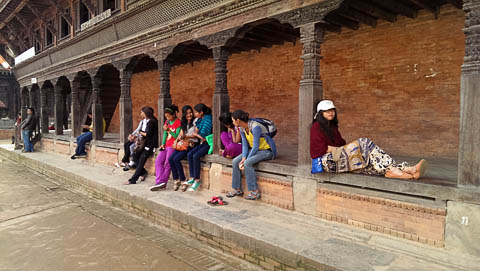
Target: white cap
324 106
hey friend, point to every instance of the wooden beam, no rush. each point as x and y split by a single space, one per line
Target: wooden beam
21 21
358 16
333 27
66 16
17 10
49 26
397 7
338 20
456 3
372 10
434 9
90 6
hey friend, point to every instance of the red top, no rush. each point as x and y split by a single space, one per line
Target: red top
319 141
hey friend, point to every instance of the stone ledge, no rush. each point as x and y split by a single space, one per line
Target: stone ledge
268 236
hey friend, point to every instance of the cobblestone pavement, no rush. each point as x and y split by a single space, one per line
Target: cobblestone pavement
45 227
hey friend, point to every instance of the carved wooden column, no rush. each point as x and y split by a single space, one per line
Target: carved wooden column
469 139
310 86
43 111
31 98
126 117
97 112
58 109
76 118
164 97
221 100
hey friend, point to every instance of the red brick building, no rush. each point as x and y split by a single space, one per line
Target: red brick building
404 73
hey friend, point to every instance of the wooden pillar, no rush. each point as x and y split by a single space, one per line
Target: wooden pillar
31 98
310 91
76 118
97 112
164 97
126 117
58 108
469 138
123 5
43 111
221 100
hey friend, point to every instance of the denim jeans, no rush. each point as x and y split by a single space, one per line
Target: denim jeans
27 144
176 164
194 159
249 170
82 140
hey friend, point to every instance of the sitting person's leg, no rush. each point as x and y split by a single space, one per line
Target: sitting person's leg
236 178
127 151
250 174
200 151
141 171
82 140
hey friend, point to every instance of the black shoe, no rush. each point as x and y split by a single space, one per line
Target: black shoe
127 168
73 157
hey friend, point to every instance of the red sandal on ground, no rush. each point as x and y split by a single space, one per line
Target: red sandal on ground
215 201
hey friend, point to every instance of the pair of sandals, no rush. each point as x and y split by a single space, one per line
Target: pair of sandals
251 196
216 201
185 185
420 168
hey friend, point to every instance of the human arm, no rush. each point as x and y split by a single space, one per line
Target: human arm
257 133
318 143
236 135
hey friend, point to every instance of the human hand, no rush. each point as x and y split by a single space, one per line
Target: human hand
165 127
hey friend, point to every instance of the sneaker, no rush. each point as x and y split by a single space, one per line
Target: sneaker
190 182
73 157
81 155
194 186
127 168
159 186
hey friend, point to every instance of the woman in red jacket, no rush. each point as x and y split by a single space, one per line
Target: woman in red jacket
359 156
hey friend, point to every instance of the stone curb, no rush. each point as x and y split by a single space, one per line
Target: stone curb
272 247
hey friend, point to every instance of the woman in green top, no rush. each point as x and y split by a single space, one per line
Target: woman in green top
171 130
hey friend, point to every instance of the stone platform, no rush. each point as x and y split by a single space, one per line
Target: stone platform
275 238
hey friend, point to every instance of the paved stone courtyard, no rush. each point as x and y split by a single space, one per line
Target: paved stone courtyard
44 227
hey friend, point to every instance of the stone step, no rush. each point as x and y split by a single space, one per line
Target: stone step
272 237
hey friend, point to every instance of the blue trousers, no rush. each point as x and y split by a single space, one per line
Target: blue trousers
82 140
175 161
249 170
194 156
27 144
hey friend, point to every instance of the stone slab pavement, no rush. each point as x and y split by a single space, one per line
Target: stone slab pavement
45 227
288 237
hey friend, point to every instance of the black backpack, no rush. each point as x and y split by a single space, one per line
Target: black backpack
269 126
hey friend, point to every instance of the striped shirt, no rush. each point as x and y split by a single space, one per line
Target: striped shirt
204 125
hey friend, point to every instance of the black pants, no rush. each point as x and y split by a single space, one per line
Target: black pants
140 159
126 148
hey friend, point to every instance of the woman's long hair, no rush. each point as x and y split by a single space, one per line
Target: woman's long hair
326 126
226 120
203 108
148 112
185 123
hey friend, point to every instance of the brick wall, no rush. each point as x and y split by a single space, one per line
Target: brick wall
269 76
397 83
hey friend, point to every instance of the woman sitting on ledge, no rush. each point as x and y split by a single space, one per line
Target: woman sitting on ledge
359 156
